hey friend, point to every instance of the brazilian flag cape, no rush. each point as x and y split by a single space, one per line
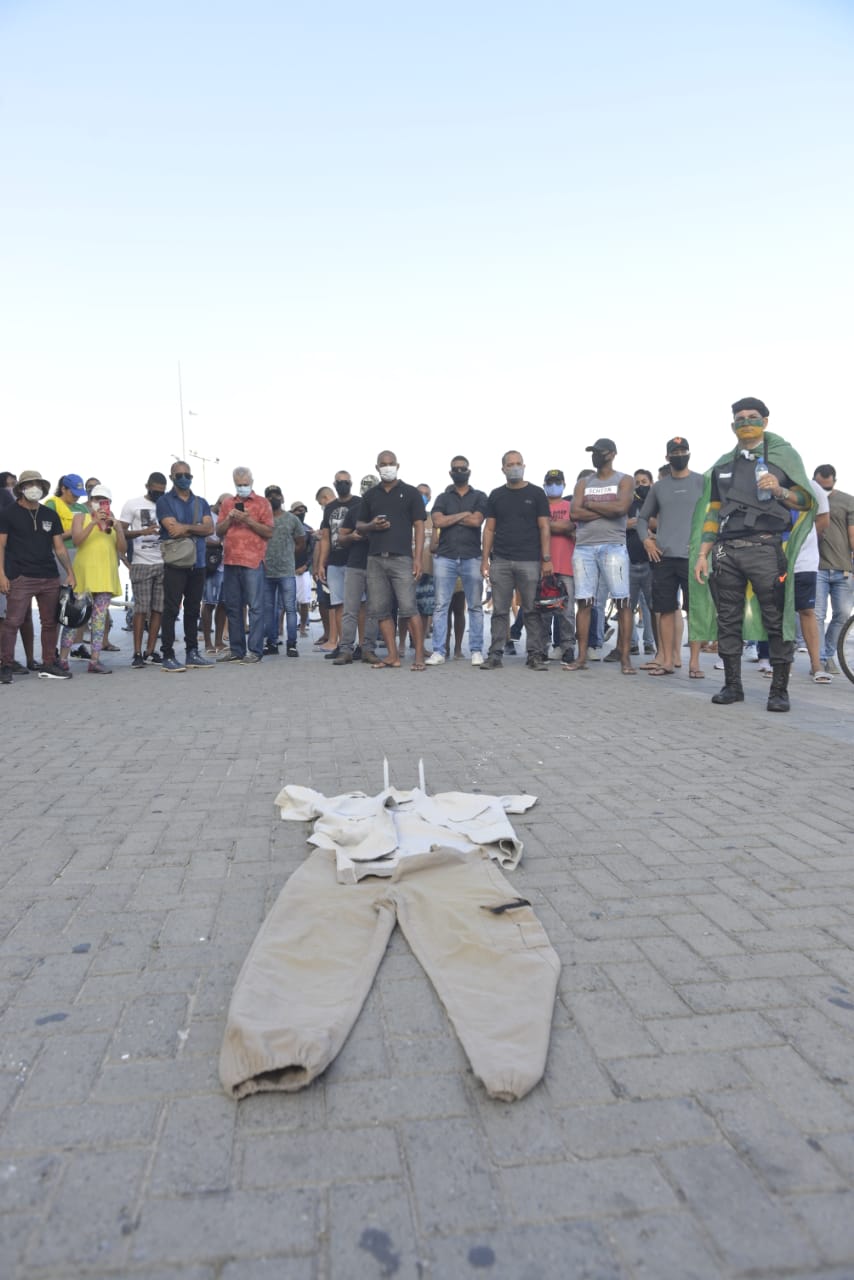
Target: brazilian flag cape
702 619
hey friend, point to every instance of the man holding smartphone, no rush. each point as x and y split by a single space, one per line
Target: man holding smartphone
245 525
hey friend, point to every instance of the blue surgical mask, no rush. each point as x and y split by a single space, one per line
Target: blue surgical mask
243 490
554 490
182 482
426 497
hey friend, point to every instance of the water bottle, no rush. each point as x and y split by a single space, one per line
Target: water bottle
764 495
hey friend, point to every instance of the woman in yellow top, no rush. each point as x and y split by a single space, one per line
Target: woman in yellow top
99 540
65 501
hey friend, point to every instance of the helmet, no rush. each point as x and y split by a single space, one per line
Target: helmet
551 594
73 611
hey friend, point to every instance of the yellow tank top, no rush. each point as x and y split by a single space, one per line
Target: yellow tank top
96 565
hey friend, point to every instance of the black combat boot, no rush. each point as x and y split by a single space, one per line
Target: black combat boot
778 697
732 690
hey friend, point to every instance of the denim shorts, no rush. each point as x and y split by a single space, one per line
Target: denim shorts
606 563
335 583
805 590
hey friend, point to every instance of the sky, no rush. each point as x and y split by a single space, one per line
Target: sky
438 229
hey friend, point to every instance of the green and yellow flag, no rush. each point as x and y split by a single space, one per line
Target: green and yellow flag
702 619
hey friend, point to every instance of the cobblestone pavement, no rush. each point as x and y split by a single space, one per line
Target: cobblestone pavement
693 865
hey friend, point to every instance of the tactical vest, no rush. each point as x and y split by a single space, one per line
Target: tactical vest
742 511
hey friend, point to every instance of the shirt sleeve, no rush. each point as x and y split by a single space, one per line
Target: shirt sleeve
542 503
417 510
440 504
481 502
647 511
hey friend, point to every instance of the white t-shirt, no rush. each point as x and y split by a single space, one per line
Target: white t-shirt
138 513
807 561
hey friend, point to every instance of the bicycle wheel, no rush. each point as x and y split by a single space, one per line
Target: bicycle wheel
845 648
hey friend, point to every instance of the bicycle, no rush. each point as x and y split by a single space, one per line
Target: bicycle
845 648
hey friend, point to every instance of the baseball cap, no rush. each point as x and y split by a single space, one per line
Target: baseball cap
75 484
604 445
679 443
555 476
101 491
272 488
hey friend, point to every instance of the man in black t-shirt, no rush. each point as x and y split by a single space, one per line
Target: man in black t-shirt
391 513
332 561
516 552
31 543
353 615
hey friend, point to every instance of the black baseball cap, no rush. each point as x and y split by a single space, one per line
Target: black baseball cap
679 443
555 476
272 488
602 446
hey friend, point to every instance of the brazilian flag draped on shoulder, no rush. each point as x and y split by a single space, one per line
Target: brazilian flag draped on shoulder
702 619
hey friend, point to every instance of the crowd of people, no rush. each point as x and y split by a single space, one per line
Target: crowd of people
752 551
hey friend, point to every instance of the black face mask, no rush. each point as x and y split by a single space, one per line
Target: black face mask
598 459
342 488
460 475
152 496
276 503
679 462
641 491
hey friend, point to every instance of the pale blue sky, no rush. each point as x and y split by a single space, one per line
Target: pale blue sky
455 227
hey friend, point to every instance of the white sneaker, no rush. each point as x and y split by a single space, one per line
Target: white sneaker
594 655
477 659
435 659
764 667
555 653
719 665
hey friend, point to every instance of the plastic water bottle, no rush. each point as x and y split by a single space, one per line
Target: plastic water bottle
764 495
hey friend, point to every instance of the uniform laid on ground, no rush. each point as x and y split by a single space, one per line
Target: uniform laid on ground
427 863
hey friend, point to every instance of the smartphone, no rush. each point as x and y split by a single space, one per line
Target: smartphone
238 506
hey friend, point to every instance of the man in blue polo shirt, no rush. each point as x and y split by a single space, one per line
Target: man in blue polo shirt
181 514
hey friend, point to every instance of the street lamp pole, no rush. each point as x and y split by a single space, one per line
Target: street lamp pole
202 459
181 406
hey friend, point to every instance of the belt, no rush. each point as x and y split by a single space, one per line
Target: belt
391 555
752 542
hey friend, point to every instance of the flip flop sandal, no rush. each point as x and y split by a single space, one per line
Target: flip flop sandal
661 671
649 666
821 677
379 666
696 675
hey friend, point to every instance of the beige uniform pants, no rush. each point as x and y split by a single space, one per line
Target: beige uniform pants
313 962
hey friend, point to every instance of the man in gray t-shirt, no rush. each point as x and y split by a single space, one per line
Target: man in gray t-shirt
672 501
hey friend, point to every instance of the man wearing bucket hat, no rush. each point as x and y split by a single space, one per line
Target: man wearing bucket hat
31 543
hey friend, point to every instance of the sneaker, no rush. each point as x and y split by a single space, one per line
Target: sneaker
172 664
357 653
332 654
594 655
568 656
344 659
96 668
609 631
82 653
802 648
195 659
5 675
510 647
477 658
537 662
54 671
613 656
271 650
18 668
138 662
435 660
491 664
228 655
649 650
831 668
156 658
370 658
555 653
249 658
719 665
764 666
292 651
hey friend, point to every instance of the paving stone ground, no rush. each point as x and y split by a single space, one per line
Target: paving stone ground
694 868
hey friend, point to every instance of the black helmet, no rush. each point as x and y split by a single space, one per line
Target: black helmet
551 594
73 611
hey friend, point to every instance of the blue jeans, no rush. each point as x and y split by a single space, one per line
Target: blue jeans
446 570
244 587
640 578
280 593
836 584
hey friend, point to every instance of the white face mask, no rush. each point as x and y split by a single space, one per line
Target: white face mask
243 490
388 473
33 493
